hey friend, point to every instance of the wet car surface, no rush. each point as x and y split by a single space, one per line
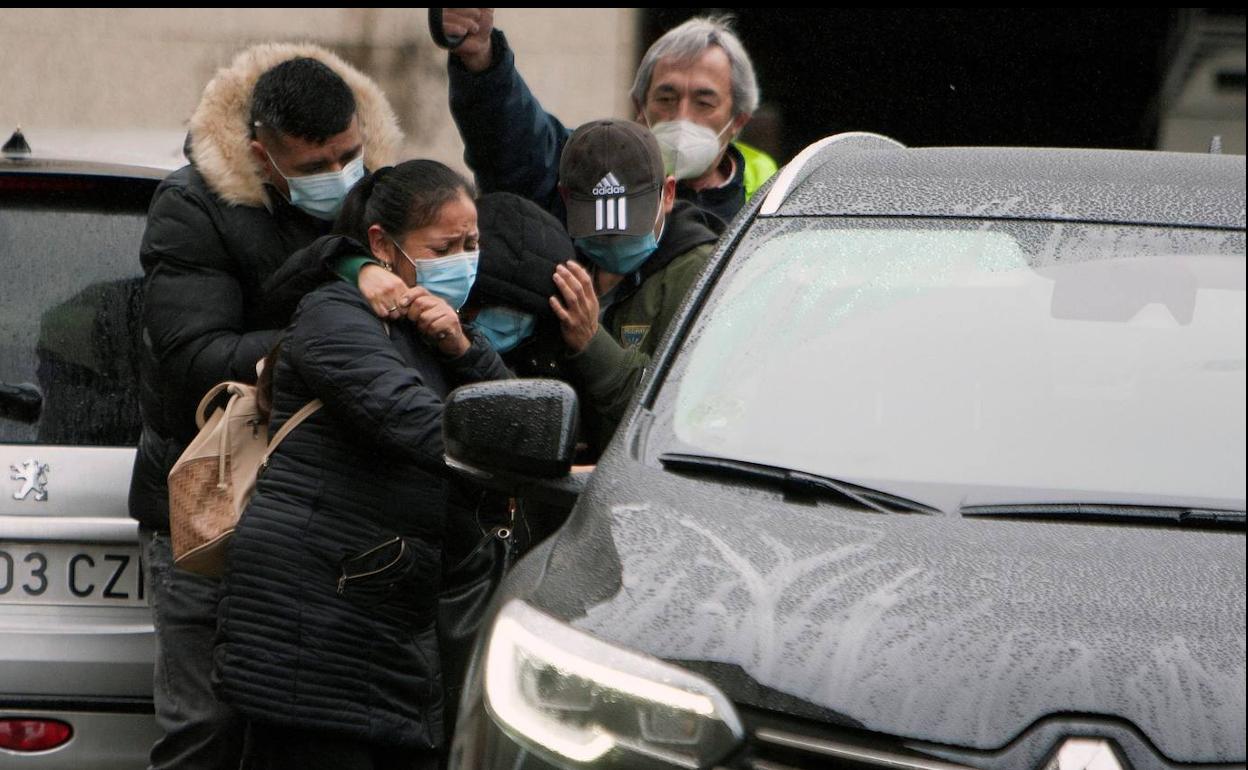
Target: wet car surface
943 467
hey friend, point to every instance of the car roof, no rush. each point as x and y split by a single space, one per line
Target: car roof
144 154
870 175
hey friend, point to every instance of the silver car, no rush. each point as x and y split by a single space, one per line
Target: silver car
76 641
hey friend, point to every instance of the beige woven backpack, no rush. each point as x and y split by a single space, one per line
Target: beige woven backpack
213 480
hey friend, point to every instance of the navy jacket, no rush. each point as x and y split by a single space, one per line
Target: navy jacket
513 145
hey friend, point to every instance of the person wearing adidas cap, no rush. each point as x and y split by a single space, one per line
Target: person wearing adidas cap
645 250
695 89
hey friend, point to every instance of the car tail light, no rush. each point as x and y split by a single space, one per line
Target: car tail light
33 734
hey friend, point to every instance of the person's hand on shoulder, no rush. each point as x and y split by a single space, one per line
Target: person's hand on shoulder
438 322
384 291
475 25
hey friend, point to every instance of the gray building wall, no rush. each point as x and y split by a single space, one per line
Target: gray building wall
1203 95
127 69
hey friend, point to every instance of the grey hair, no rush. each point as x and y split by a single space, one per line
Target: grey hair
687 42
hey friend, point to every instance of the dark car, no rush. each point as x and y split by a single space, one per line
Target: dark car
942 467
76 640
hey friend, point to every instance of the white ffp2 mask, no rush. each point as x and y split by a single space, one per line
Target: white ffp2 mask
688 148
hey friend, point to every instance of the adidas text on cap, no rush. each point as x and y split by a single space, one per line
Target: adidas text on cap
613 173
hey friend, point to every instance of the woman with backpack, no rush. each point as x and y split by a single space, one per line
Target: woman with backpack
326 628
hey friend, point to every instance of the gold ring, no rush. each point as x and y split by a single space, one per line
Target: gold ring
392 308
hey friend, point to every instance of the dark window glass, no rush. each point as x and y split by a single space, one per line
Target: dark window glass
70 297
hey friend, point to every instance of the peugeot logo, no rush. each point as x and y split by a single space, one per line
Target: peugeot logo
1085 754
35 476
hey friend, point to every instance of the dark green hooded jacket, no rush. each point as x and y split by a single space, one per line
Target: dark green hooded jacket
609 369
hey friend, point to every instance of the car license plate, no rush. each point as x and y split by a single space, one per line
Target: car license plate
71 573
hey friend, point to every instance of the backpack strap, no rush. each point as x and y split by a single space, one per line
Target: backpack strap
223 442
201 415
307 411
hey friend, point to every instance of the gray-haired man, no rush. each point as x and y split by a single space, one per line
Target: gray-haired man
695 89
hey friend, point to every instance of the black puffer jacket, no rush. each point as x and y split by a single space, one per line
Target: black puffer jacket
216 235
205 319
520 246
363 477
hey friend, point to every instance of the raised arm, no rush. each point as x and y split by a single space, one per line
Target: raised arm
510 142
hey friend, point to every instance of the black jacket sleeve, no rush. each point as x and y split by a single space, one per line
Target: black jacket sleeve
193 313
302 272
480 364
346 357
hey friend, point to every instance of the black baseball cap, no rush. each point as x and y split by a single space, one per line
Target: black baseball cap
612 171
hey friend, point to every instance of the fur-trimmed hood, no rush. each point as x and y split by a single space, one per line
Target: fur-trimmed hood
219 135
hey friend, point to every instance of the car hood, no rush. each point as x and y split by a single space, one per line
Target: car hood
935 628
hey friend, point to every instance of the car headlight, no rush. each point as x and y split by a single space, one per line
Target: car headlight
578 700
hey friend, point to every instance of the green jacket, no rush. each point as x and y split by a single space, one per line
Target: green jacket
609 369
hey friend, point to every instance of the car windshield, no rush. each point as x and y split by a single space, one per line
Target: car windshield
988 362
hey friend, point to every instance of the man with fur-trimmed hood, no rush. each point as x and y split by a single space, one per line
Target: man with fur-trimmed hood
278 138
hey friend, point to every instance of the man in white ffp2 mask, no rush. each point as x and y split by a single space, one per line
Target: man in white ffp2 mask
695 89
689 149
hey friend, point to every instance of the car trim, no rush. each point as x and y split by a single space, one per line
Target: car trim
13 705
850 752
697 295
80 168
796 170
68 529
788 175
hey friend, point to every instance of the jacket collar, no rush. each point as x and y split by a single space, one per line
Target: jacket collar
219 136
687 228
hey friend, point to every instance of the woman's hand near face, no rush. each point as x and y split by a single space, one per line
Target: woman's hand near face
385 292
437 321
578 313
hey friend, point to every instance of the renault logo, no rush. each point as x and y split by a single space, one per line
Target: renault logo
1085 754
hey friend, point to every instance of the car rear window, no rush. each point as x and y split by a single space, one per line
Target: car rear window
69 308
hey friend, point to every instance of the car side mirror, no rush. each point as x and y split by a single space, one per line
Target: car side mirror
515 436
21 402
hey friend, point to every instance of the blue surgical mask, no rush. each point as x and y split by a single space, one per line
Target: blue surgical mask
450 277
321 195
622 254
503 327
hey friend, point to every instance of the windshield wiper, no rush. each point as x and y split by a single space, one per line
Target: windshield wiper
1140 514
794 482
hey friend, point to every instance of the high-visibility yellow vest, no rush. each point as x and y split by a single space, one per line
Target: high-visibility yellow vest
758 167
